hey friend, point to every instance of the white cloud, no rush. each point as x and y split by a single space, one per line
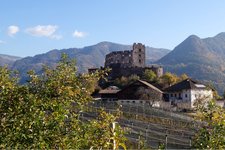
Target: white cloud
12 30
79 34
44 31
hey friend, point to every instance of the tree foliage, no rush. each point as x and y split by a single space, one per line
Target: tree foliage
124 81
168 79
44 113
211 133
183 77
149 75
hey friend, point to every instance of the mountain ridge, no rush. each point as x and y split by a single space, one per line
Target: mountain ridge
202 59
86 57
8 59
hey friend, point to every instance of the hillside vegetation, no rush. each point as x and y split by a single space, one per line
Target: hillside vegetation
87 57
7 59
202 59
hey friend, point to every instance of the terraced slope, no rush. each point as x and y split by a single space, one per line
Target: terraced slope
151 126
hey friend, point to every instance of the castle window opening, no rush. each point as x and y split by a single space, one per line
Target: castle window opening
139 50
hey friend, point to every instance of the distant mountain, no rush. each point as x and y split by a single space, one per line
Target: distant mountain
154 54
90 56
202 59
7 59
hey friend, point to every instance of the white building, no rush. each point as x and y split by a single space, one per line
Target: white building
185 93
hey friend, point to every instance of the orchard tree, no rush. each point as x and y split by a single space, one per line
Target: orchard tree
211 132
45 112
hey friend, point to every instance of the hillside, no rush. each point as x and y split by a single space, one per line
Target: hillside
202 59
151 124
90 56
7 60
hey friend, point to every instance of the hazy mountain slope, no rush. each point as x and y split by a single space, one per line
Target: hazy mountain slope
7 59
90 56
199 58
154 54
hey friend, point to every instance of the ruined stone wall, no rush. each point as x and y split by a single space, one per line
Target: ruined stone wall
126 63
119 71
138 55
158 70
121 57
133 58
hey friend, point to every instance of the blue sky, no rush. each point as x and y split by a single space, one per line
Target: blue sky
30 27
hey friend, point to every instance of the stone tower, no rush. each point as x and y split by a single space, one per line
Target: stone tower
138 55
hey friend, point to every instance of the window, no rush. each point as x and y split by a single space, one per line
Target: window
133 101
180 96
139 50
139 61
139 55
186 95
175 95
141 102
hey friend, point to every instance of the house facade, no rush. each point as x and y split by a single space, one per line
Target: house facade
187 92
109 94
140 92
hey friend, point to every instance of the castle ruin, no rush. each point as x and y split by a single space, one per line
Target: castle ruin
128 62
133 58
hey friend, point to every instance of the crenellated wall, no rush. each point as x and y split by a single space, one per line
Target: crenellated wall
128 62
132 58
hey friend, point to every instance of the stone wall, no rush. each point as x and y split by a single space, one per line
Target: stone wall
158 70
121 57
126 63
132 58
138 55
118 71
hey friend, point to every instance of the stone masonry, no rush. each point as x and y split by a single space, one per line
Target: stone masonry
128 62
133 58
